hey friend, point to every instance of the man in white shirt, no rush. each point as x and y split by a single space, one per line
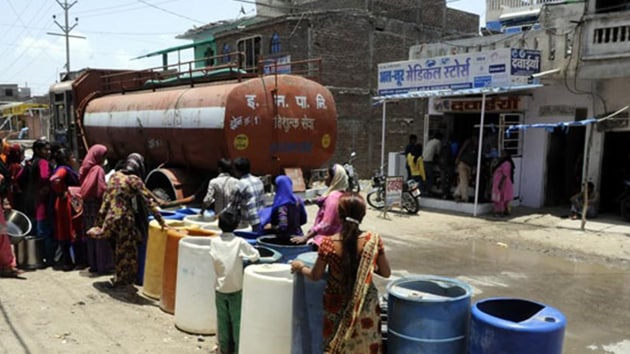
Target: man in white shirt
429 156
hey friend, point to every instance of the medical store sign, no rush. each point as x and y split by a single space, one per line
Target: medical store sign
500 67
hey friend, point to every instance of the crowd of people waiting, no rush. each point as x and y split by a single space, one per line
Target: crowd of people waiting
88 218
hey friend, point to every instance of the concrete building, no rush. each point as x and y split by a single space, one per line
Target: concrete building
351 37
585 68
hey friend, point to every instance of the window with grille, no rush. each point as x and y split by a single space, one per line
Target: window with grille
513 143
251 50
274 45
227 49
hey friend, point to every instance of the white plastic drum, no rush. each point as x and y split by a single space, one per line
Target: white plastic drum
204 221
266 311
195 310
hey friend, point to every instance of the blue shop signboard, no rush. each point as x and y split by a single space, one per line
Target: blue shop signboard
500 67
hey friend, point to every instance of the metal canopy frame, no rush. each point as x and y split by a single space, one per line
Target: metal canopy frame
483 91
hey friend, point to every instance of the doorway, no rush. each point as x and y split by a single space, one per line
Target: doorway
564 165
615 168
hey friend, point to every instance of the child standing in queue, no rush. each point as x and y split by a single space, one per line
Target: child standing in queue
227 252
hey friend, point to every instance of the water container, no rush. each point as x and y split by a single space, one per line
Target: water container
206 221
168 215
266 309
427 314
308 310
29 253
154 263
169 272
195 309
288 249
247 234
515 326
268 255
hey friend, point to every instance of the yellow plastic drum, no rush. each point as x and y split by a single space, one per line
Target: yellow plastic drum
154 262
169 273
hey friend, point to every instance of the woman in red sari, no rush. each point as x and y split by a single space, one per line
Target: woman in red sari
64 177
351 307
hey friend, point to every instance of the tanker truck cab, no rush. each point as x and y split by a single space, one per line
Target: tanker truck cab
276 121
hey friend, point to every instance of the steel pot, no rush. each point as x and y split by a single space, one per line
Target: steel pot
29 253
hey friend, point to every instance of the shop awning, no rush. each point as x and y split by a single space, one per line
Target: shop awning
454 92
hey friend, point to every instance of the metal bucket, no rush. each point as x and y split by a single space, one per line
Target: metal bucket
18 225
29 253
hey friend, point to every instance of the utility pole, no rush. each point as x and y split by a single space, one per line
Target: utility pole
66 29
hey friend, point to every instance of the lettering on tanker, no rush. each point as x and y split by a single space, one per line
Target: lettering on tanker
241 121
302 102
288 123
281 101
321 101
251 101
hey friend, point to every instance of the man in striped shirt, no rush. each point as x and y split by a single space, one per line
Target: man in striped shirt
248 197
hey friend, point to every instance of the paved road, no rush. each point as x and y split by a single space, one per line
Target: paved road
588 281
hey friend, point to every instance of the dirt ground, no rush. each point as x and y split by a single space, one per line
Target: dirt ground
50 311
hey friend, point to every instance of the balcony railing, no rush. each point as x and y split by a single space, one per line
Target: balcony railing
497 5
607 36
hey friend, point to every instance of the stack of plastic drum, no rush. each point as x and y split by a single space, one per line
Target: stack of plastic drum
171 255
266 309
288 249
195 310
154 262
515 326
428 314
308 310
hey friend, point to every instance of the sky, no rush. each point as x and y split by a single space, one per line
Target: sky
115 31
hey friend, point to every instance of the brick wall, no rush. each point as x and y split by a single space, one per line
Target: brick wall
351 44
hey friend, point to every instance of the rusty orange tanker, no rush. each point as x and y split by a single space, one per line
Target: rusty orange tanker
275 121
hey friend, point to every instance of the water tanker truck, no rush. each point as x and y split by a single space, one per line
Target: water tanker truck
183 129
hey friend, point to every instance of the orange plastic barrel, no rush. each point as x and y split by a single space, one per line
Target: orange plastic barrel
154 262
169 272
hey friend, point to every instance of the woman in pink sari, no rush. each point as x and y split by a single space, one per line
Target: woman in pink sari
327 221
503 185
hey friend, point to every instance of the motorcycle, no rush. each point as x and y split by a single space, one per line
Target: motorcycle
353 177
410 195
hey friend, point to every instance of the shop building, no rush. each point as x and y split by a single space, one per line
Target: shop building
584 70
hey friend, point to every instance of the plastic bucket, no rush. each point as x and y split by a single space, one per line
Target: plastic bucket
428 314
265 320
195 308
169 273
515 326
308 311
288 250
154 262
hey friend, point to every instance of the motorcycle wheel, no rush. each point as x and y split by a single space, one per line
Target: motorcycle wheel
409 203
624 207
376 199
354 185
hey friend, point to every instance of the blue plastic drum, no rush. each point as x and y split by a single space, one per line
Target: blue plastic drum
308 311
515 326
288 249
427 314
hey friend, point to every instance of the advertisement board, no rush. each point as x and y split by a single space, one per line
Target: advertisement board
499 67
393 190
